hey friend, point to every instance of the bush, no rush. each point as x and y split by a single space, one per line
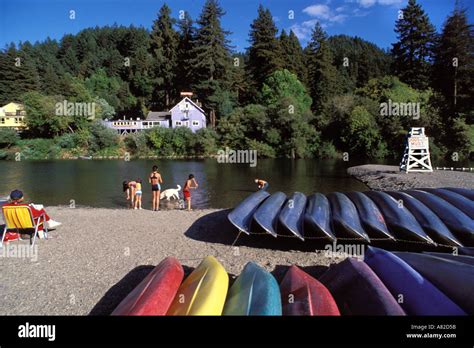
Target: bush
8 137
37 149
102 137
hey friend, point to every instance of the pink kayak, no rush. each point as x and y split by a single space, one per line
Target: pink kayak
153 296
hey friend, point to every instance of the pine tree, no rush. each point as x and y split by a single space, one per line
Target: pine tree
184 72
164 45
414 50
293 56
265 53
322 75
453 70
212 60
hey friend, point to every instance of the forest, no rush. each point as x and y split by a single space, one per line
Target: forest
276 97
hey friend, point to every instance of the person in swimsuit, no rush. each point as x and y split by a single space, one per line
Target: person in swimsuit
155 180
189 184
262 184
138 194
132 187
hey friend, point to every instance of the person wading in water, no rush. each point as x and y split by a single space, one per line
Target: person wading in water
155 180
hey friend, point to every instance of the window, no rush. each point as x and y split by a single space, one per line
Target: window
2 120
195 123
178 123
18 112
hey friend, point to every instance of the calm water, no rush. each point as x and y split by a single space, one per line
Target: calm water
99 183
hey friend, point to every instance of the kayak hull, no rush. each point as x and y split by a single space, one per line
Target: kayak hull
241 216
266 215
459 201
292 214
317 217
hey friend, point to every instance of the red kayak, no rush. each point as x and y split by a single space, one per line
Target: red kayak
301 294
153 296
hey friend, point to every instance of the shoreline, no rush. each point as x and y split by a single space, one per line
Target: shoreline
385 177
97 256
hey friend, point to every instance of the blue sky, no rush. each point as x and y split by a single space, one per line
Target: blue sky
373 20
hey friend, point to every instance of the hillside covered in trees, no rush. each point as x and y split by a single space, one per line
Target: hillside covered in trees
277 97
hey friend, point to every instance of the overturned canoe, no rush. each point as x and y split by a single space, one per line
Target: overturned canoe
427 219
153 296
301 294
462 191
416 295
370 216
203 292
317 217
454 279
399 220
345 218
459 223
254 292
459 201
292 214
241 216
266 215
358 291
458 258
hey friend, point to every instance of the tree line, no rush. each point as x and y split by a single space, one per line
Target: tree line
278 97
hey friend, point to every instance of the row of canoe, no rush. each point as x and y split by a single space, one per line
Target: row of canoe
442 216
383 283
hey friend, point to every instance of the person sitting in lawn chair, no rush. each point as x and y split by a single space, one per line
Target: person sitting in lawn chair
37 211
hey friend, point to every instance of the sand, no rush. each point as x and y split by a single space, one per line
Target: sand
383 177
98 256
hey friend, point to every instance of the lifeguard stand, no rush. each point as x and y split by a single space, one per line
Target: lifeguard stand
416 157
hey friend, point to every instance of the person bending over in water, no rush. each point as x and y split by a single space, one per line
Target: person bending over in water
129 187
138 194
155 180
189 184
262 184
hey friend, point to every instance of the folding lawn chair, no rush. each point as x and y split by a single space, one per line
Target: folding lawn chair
20 217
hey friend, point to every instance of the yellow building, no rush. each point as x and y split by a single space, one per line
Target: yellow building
13 115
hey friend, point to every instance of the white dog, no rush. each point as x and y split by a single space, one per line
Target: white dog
170 193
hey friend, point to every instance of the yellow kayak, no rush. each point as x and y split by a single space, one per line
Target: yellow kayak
203 292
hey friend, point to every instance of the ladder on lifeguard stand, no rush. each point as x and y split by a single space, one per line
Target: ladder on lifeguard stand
416 157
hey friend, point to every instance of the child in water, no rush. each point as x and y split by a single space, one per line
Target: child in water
138 194
189 184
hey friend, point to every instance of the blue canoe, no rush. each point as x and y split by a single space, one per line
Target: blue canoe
454 279
317 217
292 214
461 225
254 292
358 291
345 219
370 216
398 219
459 201
241 216
462 191
466 251
416 294
266 216
458 258
428 220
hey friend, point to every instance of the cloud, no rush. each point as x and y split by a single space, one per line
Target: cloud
318 11
370 3
303 30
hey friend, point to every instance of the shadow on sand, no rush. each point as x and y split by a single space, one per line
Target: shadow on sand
216 228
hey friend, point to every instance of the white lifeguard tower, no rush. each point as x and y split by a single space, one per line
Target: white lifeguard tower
416 157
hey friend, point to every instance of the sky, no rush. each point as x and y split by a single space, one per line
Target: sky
373 20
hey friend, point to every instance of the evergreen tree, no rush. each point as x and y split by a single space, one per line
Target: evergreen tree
454 64
164 44
293 56
322 75
414 50
184 70
212 60
265 53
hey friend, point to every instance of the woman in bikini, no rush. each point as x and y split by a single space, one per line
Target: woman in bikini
155 181
189 184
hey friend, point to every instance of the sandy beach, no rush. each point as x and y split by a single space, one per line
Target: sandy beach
98 256
383 177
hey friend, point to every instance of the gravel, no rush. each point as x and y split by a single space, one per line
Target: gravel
98 256
383 177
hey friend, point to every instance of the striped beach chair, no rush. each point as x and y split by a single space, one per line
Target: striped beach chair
20 217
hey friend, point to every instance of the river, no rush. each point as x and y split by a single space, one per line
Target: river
98 183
